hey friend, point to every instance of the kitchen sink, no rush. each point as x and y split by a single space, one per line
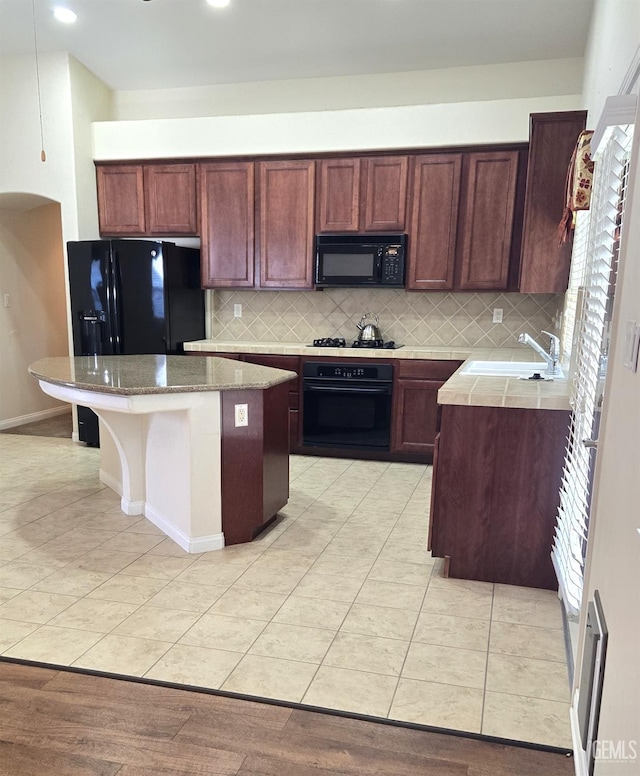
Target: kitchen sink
508 369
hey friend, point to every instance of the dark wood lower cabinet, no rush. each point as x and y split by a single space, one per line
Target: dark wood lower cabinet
414 415
415 404
496 493
255 461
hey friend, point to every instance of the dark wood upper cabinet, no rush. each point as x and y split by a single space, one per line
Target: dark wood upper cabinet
286 234
435 199
487 220
170 199
339 195
544 266
363 194
227 224
385 195
151 200
121 199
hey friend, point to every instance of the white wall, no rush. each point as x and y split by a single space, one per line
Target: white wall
71 99
613 42
35 325
416 126
21 169
613 563
91 101
515 80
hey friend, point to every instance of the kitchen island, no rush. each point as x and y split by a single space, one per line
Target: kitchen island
197 445
498 446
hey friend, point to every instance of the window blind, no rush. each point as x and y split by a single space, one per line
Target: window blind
595 255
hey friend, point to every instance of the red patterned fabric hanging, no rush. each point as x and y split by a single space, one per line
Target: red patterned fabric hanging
579 185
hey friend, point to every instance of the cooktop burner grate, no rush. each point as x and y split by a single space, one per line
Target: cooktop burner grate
330 342
340 342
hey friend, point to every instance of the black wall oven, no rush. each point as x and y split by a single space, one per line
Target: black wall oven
347 405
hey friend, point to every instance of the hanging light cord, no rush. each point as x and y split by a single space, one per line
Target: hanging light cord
43 155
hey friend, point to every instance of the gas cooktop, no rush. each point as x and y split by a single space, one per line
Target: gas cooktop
340 342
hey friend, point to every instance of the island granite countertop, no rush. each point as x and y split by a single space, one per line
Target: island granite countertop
154 374
475 390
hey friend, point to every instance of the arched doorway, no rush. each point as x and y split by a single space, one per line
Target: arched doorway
33 307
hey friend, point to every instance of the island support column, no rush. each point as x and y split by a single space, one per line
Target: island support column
166 465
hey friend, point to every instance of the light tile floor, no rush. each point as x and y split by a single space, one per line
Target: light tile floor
337 605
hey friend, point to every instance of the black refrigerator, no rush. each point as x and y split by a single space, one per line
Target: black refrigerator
132 297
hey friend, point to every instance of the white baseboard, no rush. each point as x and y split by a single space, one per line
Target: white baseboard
189 544
132 507
111 482
33 417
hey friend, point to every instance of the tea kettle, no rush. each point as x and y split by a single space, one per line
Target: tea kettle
369 331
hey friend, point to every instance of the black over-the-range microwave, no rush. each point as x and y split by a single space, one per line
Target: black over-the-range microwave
360 260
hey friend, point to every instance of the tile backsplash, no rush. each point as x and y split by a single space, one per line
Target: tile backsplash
410 318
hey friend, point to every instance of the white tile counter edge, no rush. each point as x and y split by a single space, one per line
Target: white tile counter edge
486 391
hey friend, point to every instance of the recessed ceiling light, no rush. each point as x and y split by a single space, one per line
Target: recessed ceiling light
218 3
64 15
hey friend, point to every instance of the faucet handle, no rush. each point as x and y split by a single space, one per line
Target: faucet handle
554 344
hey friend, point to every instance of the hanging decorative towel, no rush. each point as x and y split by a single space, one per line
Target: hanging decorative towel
579 184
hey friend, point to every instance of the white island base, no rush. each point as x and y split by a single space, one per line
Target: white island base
162 454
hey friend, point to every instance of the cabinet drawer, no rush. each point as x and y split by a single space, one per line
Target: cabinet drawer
427 370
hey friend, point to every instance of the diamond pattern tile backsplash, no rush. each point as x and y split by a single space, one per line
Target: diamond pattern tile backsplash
418 318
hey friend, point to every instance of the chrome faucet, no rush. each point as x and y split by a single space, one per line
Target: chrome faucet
552 357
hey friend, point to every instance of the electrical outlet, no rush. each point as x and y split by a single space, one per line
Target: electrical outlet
237 311
497 314
242 414
7 300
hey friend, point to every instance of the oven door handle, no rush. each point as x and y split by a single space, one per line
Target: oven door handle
345 389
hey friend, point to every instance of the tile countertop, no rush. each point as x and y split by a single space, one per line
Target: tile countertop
485 391
143 375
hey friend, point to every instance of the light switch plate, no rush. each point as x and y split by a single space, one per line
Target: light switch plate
242 415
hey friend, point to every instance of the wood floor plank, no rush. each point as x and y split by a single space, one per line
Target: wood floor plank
59 723
166 697
309 750
130 750
495 756
24 676
17 760
179 769
269 766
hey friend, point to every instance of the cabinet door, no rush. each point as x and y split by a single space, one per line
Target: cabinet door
227 224
544 267
120 199
286 224
385 193
416 415
488 220
339 195
170 199
496 496
434 221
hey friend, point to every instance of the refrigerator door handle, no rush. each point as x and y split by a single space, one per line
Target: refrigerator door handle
116 288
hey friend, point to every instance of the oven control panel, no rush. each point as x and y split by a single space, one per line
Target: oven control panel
347 371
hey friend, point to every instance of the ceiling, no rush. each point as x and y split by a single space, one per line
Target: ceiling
133 44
